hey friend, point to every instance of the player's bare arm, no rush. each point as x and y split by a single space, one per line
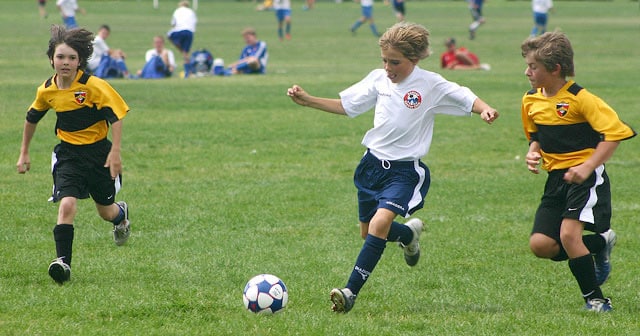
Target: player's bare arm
114 160
486 112
533 157
301 97
24 161
580 173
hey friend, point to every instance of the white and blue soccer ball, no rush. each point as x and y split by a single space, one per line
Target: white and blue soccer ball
265 293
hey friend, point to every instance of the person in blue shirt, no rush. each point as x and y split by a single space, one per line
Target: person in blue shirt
254 56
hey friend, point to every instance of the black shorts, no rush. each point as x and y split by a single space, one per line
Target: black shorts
78 171
589 202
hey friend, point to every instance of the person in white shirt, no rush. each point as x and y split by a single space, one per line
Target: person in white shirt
282 9
159 61
68 9
183 28
106 62
391 179
366 7
541 9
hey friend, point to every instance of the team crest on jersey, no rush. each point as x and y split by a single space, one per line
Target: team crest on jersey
412 99
562 109
80 96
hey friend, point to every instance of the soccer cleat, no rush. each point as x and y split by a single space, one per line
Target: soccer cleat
59 271
412 250
599 305
122 231
602 264
343 300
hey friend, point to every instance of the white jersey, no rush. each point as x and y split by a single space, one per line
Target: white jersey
366 3
67 7
541 6
100 48
404 112
281 4
184 18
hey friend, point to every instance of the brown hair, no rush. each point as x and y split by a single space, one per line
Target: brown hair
79 39
551 49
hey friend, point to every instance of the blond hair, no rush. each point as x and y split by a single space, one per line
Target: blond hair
410 39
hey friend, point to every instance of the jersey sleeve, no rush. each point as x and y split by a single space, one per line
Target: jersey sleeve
362 96
604 120
39 107
109 101
529 127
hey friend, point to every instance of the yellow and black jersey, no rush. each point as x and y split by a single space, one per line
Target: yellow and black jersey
83 111
570 125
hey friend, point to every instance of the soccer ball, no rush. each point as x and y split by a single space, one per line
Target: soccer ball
265 293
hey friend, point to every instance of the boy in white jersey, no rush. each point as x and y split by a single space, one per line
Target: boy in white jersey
282 9
391 179
183 29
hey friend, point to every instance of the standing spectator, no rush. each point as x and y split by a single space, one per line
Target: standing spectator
460 58
366 8
42 8
106 62
309 4
86 162
254 56
183 28
68 9
475 7
283 15
573 132
391 178
159 61
399 10
541 9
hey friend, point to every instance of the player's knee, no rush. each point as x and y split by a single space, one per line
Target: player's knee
543 247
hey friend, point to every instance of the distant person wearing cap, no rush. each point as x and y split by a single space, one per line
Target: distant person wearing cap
460 58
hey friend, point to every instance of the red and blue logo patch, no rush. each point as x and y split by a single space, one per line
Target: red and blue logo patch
412 99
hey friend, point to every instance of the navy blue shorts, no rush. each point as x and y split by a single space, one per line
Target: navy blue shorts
540 18
399 186
589 202
182 39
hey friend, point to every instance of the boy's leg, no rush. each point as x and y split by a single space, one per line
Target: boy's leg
367 260
580 259
63 233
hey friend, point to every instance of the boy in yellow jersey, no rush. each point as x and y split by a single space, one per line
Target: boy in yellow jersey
85 163
574 133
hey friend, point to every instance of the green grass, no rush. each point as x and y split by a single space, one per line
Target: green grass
227 178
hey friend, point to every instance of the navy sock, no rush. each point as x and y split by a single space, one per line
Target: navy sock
63 236
400 233
366 262
584 271
119 218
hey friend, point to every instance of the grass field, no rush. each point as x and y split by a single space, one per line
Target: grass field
226 178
